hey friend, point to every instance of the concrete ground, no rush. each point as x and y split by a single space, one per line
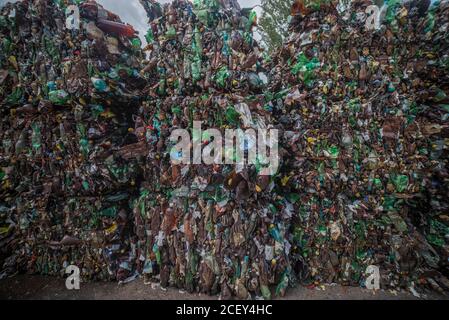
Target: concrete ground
46 288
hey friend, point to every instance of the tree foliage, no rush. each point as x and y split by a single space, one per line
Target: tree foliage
273 24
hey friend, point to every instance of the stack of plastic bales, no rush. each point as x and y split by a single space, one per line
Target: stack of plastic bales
360 101
67 99
364 111
208 228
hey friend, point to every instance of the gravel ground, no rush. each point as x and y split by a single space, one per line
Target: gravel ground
45 288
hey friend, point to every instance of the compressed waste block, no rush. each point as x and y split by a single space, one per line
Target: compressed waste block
364 115
207 228
67 171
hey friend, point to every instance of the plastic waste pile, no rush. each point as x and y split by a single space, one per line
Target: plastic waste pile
360 101
207 228
67 96
363 106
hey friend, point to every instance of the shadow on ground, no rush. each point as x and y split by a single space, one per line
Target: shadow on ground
45 288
